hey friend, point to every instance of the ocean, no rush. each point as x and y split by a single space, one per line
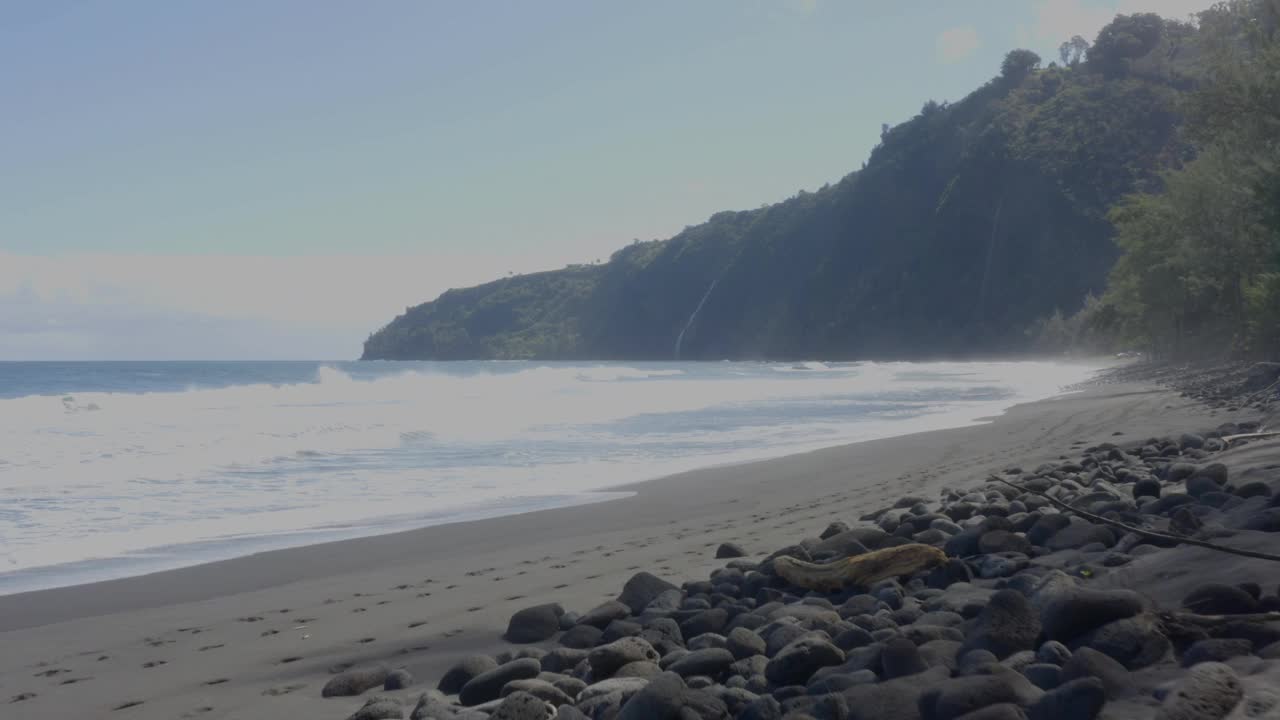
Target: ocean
113 469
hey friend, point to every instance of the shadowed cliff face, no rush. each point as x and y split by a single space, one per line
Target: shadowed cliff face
966 225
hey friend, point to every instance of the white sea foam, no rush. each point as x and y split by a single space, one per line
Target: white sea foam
93 475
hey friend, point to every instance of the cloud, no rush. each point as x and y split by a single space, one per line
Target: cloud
85 306
1059 20
956 43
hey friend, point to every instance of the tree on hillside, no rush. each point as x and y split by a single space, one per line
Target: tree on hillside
1123 39
1073 51
1018 64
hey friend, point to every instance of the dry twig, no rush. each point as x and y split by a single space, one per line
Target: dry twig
1179 539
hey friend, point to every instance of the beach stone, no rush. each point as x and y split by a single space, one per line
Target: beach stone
1254 489
744 643
900 658
1046 527
944 576
1220 599
534 624
853 542
606 659
707 640
581 637
355 681
1135 642
1147 487
618 629
833 529
1087 662
523 706
661 698
1006 625
1054 652
1264 521
397 680
640 669
562 659
379 708
433 705
463 671
1214 471
711 662
604 699
1208 692
569 712
730 550
1215 650
1000 541
954 698
642 589
1200 485
706 621
1079 534
890 700
799 660
487 685
1073 613
1003 711
1080 699
764 708
541 689
605 613
1045 676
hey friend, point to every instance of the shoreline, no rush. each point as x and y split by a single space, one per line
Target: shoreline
231 635
171 556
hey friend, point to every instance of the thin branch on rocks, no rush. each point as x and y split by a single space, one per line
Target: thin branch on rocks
1227 440
1211 620
1180 539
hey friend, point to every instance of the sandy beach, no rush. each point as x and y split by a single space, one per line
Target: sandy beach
257 637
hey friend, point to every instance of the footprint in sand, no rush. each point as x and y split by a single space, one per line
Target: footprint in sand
250 618
219 681
365 641
51 673
417 623
73 681
269 633
290 659
284 689
210 647
155 663
22 696
127 705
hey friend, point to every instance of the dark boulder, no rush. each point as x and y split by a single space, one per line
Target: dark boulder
355 681
606 659
730 550
487 685
1006 625
1070 614
581 637
1220 599
798 661
1087 662
463 671
534 624
711 662
522 706
642 589
1215 650
397 680
1135 642
1209 691
379 708
900 658
1080 699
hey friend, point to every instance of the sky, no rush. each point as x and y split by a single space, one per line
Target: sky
276 179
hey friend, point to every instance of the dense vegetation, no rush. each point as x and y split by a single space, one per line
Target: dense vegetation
975 227
1200 273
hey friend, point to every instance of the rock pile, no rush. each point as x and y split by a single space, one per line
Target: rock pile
1014 625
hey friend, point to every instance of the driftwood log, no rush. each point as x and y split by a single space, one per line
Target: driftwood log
860 570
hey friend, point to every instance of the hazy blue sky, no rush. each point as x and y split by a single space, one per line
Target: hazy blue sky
276 178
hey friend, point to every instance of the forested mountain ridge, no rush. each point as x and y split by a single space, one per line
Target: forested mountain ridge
965 228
